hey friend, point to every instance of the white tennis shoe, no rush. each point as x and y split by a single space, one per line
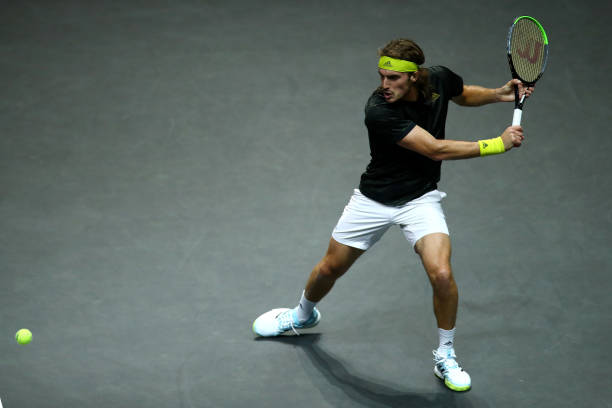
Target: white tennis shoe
448 369
278 321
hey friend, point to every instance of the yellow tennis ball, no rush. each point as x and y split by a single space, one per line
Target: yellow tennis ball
23 336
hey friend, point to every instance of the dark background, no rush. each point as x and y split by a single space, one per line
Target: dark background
171 169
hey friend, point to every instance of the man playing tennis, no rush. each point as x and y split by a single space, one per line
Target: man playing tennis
405 118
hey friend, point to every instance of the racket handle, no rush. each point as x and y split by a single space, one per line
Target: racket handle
516 119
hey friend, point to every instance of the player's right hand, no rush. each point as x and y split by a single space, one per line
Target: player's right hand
512 137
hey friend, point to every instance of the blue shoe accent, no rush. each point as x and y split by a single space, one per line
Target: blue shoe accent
288 320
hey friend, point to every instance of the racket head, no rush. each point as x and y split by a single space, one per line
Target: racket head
527 48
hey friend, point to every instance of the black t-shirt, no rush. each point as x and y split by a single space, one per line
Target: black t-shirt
395 174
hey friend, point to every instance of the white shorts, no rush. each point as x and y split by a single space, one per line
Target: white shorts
364 221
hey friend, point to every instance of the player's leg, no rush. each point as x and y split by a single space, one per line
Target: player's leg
337 260
435 252
424 225
361 225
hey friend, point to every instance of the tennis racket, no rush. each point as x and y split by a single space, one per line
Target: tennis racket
527 55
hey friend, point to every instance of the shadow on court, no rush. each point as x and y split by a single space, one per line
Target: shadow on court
364 391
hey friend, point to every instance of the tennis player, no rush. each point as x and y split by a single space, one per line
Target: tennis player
405 118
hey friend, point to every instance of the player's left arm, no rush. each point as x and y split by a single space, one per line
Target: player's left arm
474 95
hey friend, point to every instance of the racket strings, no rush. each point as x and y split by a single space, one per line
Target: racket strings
527 50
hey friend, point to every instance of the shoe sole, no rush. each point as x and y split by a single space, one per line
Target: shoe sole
450 385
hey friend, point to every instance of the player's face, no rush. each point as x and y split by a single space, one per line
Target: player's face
397 85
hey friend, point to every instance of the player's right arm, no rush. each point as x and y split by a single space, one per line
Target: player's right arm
474 95
423 142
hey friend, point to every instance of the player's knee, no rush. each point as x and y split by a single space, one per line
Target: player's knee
442 279
329 269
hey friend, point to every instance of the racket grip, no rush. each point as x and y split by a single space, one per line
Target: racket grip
516 119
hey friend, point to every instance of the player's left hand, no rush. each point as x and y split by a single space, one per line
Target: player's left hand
506 92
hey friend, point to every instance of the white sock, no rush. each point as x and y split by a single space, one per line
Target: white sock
447 341
304 308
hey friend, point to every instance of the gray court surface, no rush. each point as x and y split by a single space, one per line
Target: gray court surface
171 170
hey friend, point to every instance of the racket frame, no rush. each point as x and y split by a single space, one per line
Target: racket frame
518 104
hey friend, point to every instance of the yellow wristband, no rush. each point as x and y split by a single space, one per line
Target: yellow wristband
491 146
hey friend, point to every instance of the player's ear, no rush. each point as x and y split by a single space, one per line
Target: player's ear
414 76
